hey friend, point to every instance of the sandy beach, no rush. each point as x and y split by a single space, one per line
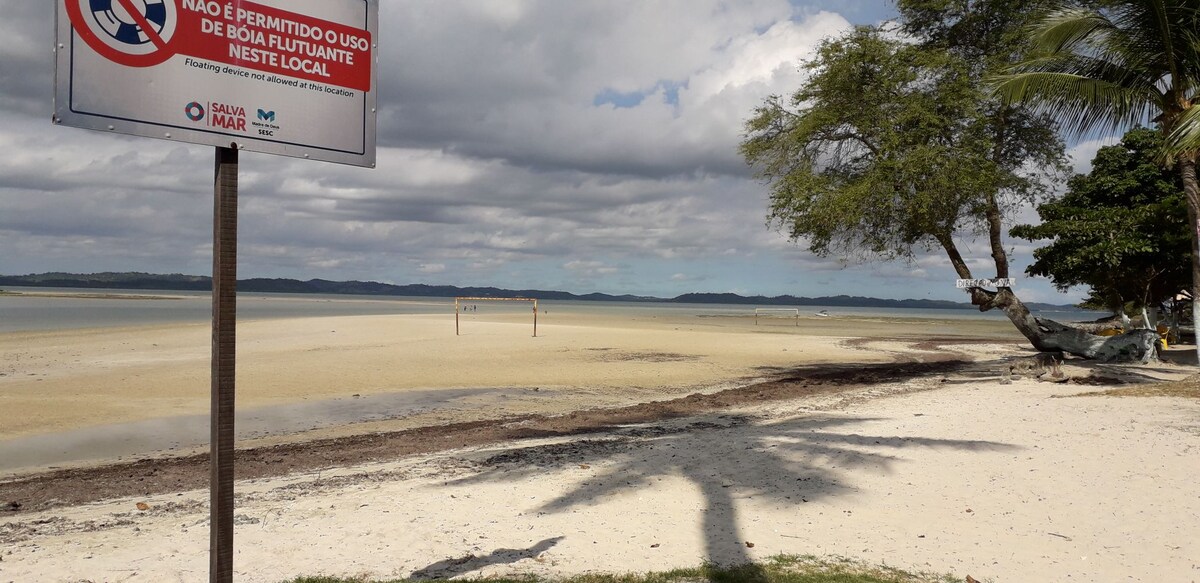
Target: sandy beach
298 374
388 447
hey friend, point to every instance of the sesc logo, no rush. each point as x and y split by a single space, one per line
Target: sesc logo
194 111
265 124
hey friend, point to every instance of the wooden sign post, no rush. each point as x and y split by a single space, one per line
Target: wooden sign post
224 352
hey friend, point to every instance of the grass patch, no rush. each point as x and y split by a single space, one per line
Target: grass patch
1188 388
780 569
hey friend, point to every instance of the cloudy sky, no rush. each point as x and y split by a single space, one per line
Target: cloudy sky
582 146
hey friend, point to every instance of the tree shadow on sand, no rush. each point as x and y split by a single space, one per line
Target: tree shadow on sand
462 565
792 462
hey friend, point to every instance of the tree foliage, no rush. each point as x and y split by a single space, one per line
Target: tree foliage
1120 230
894 145
990 34
888 149
862 159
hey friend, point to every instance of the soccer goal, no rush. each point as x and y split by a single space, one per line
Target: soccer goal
459 307
793 313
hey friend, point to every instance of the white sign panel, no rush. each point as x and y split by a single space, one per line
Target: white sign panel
289 77
993 282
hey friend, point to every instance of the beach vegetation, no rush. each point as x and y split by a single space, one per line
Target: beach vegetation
778 569
895 146
1120 230
1114 64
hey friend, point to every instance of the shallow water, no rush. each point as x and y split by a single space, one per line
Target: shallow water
149 308
41 313
187 432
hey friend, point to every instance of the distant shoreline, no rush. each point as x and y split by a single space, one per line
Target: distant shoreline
87 296
179 282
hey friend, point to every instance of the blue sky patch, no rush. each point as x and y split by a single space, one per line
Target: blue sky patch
631 99
618 99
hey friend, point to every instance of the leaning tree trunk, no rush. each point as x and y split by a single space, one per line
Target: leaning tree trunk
1048 335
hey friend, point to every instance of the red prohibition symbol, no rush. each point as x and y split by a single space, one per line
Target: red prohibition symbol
134 33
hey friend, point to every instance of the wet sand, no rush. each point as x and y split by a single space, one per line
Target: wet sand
80 396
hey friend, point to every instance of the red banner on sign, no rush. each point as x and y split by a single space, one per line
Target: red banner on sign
233 32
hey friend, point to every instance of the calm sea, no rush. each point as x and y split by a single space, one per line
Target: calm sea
38 313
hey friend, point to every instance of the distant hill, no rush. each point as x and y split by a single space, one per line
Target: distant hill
176 281
830 301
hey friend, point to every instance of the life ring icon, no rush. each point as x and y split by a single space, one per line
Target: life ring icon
194 111
134 33
120 24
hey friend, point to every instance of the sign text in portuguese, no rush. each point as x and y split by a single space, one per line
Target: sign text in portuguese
286 77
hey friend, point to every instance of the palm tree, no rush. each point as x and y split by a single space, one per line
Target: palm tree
1108 65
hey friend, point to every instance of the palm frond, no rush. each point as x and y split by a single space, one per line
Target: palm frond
1151 30
1097 70
1083 105
1103 68
1066 30
1186 135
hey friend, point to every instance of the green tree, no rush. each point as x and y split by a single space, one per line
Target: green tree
872 158
1120 230
985 36
1115 65
893 146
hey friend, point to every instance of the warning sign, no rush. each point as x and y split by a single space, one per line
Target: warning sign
286 77
129 32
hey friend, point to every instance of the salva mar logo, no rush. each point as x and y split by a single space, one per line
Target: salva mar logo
264 115
195 111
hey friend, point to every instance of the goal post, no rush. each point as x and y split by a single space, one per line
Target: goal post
459 300
774 312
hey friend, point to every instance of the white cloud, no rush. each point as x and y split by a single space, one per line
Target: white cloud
1081 154
589 268
544 65
500 160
